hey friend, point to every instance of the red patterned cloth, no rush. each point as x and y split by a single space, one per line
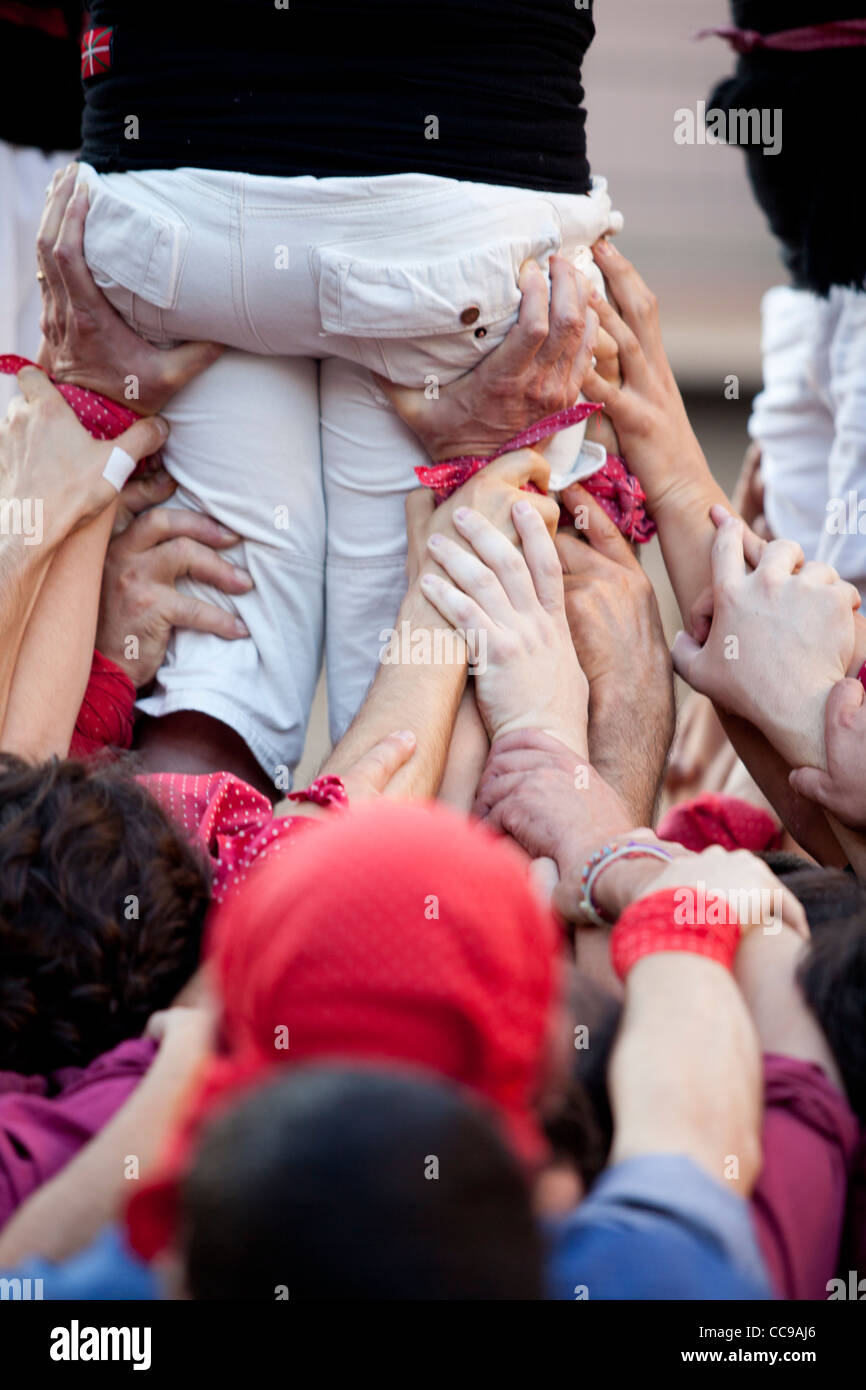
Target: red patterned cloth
620 494
403 933
103 418
234 822
837 33
714 819
617 491
107 711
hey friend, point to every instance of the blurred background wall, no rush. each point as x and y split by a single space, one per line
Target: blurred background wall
691 225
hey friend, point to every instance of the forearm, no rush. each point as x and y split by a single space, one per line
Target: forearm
685 1071
628 752
467 755
67 1212
852 845
56 651
421 695
805 822
685 528
766 972
23 570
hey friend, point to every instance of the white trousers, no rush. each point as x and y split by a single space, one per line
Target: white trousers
810 421
25 174
287 438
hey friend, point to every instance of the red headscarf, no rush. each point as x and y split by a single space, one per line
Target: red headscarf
401 933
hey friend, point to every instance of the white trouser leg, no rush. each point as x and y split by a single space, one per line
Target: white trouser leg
843 543
244 447
792 418
368 457
409 275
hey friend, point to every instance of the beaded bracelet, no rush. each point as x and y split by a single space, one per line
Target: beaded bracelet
601 860
324 791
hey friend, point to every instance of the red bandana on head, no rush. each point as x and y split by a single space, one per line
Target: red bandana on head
401 933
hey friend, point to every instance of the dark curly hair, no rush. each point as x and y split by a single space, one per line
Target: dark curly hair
102 905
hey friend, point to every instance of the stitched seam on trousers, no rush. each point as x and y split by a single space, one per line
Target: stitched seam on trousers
248 318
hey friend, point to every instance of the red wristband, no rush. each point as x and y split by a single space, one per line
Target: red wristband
659 923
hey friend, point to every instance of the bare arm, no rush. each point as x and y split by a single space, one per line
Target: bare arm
56 651
685 1071
766 972
657 438
685 1074
48 607
423 696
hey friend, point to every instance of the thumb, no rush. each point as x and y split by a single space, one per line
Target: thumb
374 770
812 783
420 506
141 439
408 401
843 702
34 384
685 653
182 363
145 437
602 533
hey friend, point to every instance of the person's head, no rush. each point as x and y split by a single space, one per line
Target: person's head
807 102
102 903
356 1183
833 973
395 933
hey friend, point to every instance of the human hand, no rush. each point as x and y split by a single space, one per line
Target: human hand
511 612
554 804
781 637
841 789
737 880
617 632
367 776
536 371
48 456
748 495
187 1029
142 566
492 491
646 409
85 340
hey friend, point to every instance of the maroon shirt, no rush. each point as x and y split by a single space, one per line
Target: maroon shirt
810 1140
44 1121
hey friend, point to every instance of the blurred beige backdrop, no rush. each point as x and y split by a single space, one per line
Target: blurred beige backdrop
691 224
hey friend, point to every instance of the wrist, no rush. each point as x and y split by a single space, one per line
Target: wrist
618 882
688 489
799 738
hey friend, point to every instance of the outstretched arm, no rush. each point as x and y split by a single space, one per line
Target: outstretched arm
650 419
420 689
49 603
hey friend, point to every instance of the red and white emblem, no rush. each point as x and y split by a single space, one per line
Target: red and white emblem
96 52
